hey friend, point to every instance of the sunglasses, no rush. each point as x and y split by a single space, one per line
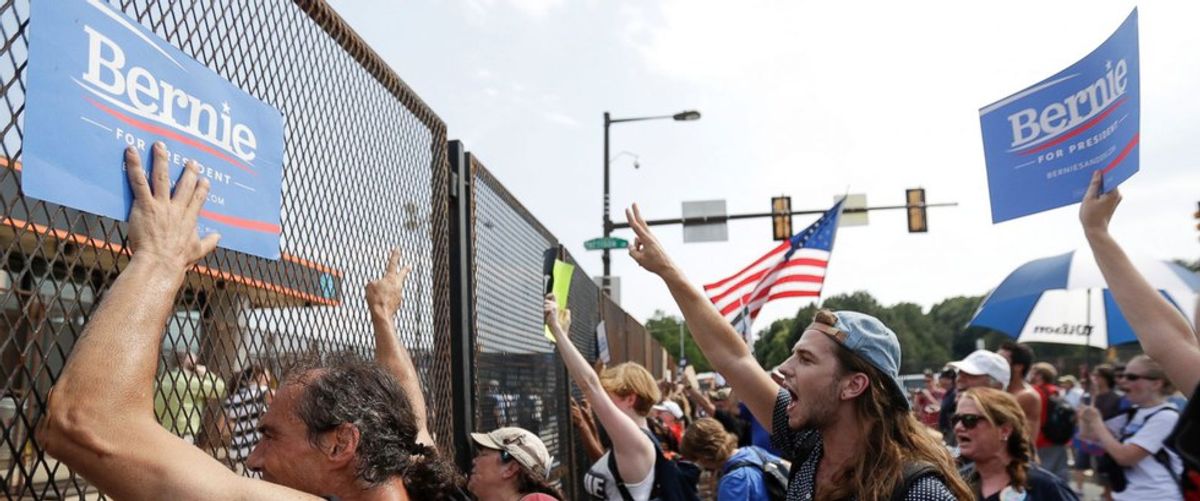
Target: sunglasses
969 421
1134 377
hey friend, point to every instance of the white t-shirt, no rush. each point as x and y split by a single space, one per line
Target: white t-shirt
1148 479
1073 397
600 483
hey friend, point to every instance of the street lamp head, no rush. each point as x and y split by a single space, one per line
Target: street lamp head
686 116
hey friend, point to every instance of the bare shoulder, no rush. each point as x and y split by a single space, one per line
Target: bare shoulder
1028 397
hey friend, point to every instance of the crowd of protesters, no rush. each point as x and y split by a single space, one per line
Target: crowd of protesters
834 421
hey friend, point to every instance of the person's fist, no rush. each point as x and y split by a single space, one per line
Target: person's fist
1097 208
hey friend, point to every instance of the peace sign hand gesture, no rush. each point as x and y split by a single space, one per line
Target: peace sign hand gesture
645 248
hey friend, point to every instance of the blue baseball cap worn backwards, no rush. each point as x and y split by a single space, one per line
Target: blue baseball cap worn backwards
868 338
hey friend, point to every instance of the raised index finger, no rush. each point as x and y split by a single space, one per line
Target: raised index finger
393 261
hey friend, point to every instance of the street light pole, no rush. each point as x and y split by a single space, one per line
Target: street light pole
679 362
608 226
607 258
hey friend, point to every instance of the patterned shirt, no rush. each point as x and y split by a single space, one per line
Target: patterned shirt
803 486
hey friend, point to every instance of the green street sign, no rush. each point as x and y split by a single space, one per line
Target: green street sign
606 243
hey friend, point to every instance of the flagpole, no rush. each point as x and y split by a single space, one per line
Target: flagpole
833 241
1087 352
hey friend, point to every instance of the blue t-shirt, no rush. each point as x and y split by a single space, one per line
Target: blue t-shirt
744 483
759 437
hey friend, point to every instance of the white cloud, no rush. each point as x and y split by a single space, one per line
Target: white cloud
560 118
536 9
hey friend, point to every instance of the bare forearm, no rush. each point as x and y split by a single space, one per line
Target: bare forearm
702 402
1164 333
130 321
725 349
590 439
1124 454
394 357
715 336
578 367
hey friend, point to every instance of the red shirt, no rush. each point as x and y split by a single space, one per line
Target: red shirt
1046 391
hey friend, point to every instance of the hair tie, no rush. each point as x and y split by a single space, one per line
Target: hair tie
419 449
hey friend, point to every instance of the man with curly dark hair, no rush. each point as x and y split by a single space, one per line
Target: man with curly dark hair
344 429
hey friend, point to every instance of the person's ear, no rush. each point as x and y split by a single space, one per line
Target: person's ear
341 444
854 385
1006 431
511 469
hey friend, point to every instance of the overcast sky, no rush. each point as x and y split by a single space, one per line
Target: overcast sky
806 99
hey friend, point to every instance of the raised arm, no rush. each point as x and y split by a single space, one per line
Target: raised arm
725 349
100 414
1164 333
384 297
634 450
581 416
700 400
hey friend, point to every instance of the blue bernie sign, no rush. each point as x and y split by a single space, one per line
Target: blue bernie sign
1043 143
98 81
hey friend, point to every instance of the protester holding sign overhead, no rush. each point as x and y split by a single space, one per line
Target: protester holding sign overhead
621 406
1042 142
341 428
1165 335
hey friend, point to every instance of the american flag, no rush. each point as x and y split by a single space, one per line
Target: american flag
796 268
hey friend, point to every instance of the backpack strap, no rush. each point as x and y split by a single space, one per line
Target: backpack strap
1131 412
913 471
1162 457
744 463
616 473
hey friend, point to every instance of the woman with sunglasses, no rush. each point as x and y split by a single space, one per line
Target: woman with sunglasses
511 464
1134 439
990 428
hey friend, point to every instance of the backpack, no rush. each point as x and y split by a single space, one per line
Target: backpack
1060 421
775 474
674 480
1188 480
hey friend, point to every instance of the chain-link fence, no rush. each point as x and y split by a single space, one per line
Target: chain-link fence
520 378
240 319
473 302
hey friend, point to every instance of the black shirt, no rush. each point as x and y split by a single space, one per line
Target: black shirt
1040 485
1186 435
803 487
734 424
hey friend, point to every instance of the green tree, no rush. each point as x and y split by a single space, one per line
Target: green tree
927 339
666 329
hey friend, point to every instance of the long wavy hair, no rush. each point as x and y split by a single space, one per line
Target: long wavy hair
1001 408
892 437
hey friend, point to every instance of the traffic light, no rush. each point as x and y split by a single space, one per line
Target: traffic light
781 218
916 210
1197 216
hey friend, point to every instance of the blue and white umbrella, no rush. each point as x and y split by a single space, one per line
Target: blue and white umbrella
1064 300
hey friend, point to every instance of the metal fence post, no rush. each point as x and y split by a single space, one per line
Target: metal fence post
462 302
